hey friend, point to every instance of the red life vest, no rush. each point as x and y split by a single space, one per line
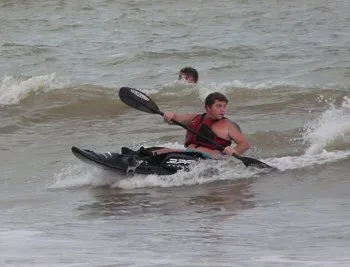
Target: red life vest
202 125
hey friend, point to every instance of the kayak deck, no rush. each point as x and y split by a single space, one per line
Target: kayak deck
142 161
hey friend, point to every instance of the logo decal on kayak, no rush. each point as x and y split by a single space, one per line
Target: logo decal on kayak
179 161
139 94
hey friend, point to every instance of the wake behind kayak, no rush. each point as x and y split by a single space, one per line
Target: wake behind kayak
141 162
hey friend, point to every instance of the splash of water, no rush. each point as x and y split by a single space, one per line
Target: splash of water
333 124
74 176
302 161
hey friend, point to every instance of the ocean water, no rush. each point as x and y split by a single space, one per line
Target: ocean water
285 67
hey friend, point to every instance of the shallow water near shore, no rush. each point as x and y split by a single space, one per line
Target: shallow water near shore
284 67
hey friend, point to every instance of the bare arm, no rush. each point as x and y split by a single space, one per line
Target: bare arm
242 144
183 118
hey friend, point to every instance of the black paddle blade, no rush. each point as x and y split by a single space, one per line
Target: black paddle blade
138 100
255 163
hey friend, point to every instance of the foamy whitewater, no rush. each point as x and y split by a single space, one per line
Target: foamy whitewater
284 67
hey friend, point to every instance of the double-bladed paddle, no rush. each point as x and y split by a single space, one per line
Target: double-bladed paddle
140 101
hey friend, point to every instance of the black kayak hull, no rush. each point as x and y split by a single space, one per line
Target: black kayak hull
131 162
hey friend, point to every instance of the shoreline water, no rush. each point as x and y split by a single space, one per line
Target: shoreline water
285 69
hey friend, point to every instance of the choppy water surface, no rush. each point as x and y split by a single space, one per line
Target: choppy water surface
286 71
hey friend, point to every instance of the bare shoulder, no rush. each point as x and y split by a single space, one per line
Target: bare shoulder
232 126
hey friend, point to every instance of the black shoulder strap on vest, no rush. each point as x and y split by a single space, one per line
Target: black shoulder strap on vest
202 118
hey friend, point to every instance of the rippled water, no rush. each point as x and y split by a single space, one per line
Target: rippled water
286 71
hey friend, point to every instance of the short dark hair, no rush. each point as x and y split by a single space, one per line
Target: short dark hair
191 72
211 98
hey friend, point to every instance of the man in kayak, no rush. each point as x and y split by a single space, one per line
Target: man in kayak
188 74
214 126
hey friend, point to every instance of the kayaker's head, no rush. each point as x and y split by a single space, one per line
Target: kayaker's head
215 105
189 75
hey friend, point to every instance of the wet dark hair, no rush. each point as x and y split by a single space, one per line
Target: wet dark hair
189 71
211 98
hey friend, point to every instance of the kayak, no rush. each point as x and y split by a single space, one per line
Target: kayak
142 161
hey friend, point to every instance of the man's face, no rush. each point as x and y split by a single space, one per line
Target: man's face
217 110
186 77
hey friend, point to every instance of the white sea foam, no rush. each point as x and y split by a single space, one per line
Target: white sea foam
14 89
202 172
333 124
203 89
82 175
307 160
